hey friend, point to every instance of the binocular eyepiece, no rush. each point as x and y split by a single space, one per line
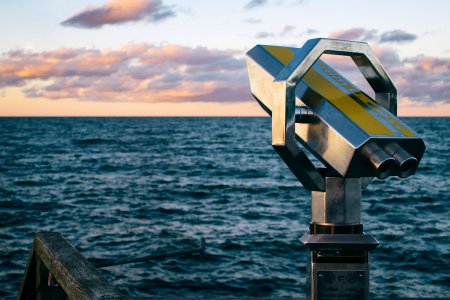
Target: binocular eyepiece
390 161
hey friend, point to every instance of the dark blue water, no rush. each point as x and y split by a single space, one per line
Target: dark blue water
120 187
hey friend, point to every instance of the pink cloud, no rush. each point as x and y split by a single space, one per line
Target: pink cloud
421 79
134 72
20 66
176 54
174 73
354 34
432 64
118 11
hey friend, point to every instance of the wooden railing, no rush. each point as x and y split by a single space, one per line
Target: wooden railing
56 270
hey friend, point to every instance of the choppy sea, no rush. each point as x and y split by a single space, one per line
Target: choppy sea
127 187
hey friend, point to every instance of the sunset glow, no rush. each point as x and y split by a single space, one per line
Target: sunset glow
163 58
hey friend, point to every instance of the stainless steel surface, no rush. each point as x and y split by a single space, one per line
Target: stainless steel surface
355 137
380 161
338 241
340 204
361 54
340 119
338 281
406 163
304 115
338 265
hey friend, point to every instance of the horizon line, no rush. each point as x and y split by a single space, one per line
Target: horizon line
176 116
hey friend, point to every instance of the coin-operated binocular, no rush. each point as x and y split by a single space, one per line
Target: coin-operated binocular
355 137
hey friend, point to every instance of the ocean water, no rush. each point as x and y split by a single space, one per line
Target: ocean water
126 187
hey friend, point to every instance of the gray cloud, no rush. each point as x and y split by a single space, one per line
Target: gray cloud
263 35
118 12
362 34
252 21
397 36
291 2
287 31
255 3
311 31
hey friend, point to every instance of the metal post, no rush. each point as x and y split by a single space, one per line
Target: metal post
338 250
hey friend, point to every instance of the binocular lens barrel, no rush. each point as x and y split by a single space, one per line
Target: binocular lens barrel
392 160
407 164
382 163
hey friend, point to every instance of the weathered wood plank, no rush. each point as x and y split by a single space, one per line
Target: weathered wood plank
78 278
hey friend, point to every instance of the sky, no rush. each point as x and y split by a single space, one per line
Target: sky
187 58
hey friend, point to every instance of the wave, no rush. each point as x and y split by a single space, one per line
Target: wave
158 183
91 141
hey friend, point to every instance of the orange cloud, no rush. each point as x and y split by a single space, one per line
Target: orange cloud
119 11
174 73
134 72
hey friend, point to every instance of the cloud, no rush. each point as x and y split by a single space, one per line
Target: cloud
287 31
359 34
397 36
264 34
309 31
255 3
420 79
174 73
362 34
133 72
252 21
118 12
290 2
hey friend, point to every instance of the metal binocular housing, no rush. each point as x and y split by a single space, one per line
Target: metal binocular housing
355 137
312 105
